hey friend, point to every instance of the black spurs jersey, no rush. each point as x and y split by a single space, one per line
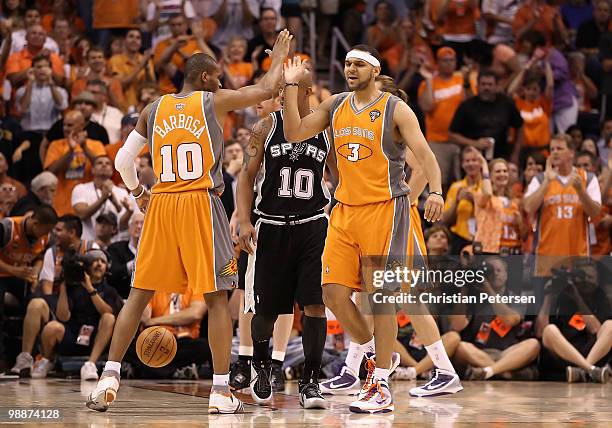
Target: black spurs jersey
291 182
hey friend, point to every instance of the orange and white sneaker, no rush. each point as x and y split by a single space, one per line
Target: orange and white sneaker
378 399
222 401
105 393
370 365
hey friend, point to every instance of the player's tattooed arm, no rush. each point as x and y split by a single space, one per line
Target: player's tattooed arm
253 156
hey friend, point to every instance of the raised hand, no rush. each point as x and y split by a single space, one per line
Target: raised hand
294 70
281 46
550 171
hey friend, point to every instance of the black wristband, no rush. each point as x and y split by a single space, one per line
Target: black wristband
291 84
436 193
93 293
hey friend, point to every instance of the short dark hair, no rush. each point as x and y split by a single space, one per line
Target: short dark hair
101 157
72 222
531 77
372 51
45 214
538 157
96 48
266 9
198 64
486 72
98 82
535 37
590 155
438 228
41 57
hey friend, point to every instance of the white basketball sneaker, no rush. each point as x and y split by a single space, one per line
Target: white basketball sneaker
222 401
105 393
371 366
378 399
442 383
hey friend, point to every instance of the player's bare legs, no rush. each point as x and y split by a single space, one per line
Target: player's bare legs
338 299
385 333
125 329
219 331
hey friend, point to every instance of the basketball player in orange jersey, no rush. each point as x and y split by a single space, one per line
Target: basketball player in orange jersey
371 131
185 239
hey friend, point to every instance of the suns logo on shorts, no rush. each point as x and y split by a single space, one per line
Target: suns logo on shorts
230 269
181 106
374 114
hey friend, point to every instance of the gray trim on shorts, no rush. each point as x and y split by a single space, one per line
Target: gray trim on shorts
223 246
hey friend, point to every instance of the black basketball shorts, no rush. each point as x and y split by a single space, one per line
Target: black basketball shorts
285 267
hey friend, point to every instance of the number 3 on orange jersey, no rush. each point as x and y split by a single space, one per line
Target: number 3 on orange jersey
189 162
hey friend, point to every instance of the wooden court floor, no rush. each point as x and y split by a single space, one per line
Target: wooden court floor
184 404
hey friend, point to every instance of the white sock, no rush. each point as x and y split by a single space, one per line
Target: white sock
381 374
438 355
114 366
354 357
369 346
221 379
246 351
488 372
278 355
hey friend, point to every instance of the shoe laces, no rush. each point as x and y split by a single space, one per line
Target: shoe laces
370 366
374 388
263 379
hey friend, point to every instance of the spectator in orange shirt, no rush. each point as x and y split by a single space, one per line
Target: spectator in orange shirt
5 179
19 63
457 19
534 106
18 36
131 67
410 51
70 159
97 70
384 33
539 16
236 71
439 97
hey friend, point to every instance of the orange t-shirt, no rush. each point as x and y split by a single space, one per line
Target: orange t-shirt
115 13
76 22
78 171
393 56
165 84
544 24
122 66
510 233
460 18
447 94
111 152
169 303
241 73
114 86
536 120
19 251
22 60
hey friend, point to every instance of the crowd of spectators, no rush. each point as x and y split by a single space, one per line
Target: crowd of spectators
513 98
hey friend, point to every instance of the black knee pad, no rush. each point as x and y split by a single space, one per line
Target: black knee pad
262 327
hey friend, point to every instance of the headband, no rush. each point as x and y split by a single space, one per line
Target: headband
365 56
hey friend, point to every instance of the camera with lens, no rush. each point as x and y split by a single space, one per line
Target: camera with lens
74 267
562 277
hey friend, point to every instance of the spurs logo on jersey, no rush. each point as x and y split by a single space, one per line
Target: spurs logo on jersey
186 143
370 163
291 176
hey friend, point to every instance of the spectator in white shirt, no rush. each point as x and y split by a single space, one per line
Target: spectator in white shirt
18 39
90 200
40 101
160 11
106 115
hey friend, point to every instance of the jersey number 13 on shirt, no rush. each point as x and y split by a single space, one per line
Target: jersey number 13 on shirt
189 162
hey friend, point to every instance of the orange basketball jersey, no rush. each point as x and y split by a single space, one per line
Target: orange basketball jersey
370 163
17 249
563 227
186 143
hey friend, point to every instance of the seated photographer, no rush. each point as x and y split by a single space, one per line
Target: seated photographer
41 309
86 310
123 256
181 314
22 243
575 327
492 333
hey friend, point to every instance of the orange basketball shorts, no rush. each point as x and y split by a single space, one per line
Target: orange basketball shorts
185 242
362 234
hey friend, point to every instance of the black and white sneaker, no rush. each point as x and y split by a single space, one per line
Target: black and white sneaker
442 383
278 377
240 376
261 387
310 396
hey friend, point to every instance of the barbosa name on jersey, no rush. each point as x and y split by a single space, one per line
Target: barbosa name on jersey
180 121
286 148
